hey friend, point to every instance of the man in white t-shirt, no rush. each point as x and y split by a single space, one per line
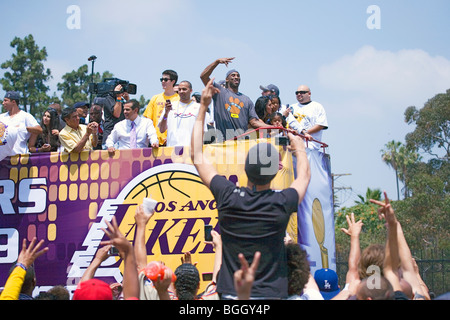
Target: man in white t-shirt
179 117
8 136
308 117
24 122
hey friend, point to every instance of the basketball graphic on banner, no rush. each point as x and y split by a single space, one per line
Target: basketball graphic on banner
173 229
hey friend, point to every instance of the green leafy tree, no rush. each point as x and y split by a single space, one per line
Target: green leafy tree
25 73
75 85
432 132
425 211
373 230
143 102
428 207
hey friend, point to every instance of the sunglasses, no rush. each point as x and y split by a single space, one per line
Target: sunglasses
165 79
301 92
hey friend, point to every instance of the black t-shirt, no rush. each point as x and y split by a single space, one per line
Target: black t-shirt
253 221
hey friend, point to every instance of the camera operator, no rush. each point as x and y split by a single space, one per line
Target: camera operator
112 103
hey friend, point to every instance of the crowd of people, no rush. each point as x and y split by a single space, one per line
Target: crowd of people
253 257
113 121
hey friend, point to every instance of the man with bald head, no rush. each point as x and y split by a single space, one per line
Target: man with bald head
308 117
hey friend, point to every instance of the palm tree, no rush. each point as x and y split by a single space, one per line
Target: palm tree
399 157
370 194
390 157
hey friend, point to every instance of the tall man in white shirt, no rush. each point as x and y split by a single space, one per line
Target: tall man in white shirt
132 132
179 117
308 117
25 124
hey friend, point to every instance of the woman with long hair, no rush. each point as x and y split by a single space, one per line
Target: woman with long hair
263 108
48 140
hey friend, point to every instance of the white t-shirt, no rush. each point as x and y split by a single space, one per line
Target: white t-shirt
8 136
21 121
180 122
307 116
309 294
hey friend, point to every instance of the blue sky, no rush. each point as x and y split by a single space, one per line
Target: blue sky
365 78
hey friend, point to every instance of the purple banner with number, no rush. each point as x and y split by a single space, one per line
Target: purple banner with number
65 200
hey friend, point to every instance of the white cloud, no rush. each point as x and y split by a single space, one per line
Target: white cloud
388 79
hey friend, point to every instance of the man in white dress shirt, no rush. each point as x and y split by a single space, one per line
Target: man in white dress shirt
132 132
179 118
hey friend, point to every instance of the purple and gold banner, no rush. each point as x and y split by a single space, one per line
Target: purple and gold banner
65 199
316 214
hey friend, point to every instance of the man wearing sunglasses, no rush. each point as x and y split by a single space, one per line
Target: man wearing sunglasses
157 103
308 117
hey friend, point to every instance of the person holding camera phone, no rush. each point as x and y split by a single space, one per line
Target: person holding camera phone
157 104
179 117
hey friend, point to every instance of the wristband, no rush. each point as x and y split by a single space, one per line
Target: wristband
21 265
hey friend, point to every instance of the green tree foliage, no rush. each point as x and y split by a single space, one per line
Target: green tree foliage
374 194
75 85
424 214
400 157
432 132
25 72
428 207
373 230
